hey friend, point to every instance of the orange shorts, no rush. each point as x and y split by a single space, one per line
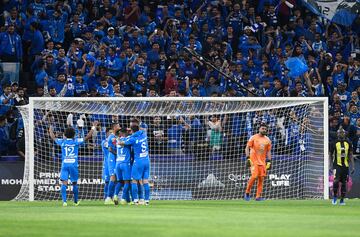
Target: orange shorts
258 170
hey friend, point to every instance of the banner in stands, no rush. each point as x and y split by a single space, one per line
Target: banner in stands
342 12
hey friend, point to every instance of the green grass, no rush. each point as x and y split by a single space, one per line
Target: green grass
181 218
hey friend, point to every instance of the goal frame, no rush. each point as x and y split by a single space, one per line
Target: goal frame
32 100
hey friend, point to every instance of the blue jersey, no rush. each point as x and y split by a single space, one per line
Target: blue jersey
104 148
107 91
292 133
122 153
105 171
79 132
139 142
69 150
111 140
174 134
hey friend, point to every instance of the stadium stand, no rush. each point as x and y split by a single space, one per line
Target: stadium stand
136 48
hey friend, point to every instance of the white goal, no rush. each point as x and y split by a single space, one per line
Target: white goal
196 145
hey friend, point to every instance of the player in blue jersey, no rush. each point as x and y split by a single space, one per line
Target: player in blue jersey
111 163
140 170
70 166
105 171
142 126
123 167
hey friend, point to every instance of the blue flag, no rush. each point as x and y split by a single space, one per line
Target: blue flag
296 66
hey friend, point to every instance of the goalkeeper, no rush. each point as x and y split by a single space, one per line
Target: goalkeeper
258 154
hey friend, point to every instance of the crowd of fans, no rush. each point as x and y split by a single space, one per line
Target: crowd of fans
136 48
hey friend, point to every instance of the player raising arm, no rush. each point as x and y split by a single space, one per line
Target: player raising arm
258 154
140 170
69 157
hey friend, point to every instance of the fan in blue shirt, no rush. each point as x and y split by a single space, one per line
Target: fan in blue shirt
80 85
38 7
7 98
266 88
57 26
37 40
111 39
139 67
105 89
10 45
69 165
292 133
174 136
153 54
140 171
113 63
353 114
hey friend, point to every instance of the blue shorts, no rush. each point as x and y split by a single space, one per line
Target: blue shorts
71 172
123 171
140 169
111 164
105 173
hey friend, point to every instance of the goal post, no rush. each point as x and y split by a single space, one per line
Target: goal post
326 148
29 146
196 144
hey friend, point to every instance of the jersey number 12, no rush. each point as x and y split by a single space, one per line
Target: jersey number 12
69 151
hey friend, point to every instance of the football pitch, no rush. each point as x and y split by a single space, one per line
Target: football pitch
182 218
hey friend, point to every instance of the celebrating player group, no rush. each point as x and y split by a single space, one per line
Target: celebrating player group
126 163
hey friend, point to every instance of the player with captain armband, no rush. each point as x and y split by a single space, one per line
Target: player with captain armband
69 157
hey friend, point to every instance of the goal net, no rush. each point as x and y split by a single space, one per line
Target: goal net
196 145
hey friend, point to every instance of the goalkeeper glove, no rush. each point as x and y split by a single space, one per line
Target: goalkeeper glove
268 164
248 162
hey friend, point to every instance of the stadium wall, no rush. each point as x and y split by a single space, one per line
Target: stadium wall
165 185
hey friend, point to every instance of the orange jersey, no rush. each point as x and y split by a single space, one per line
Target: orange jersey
259 147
